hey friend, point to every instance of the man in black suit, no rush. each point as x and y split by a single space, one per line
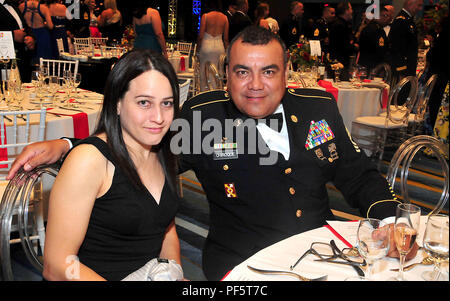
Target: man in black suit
11 20
321 27
239 20
403 39
264 183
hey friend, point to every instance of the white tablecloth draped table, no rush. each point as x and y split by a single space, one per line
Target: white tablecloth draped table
354 102
280 256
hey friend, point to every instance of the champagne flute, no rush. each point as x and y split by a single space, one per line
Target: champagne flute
435 243
53 84
373 241
406 228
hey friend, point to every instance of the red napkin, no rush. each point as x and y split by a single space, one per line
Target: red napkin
80 124
182 64
4 151
329 88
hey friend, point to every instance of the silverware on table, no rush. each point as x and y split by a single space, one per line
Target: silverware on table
70 109
288 273
426 261
358 267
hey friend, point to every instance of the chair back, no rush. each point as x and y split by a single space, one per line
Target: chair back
16 132
222 67
98 41
184 91
184 48
109 51
23 197
424 97
60 45
399 113
196 80
212 76
83 49
402 160
57 67
384 71
82 41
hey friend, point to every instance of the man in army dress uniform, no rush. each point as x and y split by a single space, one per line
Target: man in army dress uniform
256 202
292 27
373 42
321 27
403 39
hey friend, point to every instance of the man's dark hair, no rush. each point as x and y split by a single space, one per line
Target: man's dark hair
256 35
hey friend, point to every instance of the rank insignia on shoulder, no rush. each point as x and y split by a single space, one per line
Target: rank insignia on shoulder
230 190
319 133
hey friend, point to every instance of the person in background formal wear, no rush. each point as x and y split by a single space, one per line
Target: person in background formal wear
273 24
404 40
37 16
342 45
113 203
24 42
149 28
240 19
321 28
373 42
110 22
79 25
212 39
58 13
390 10
292 27
260 17
255 202
231 9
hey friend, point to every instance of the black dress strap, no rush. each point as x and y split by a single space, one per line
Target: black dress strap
101 145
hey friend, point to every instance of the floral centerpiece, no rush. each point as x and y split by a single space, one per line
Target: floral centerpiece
300 54
128 36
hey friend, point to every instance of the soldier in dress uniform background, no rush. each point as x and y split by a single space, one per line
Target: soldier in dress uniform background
292 27
342 45
404 41
321 27
373 42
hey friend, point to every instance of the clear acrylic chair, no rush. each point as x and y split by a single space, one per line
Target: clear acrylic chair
403 157
371 132
196 79
57 67
417 119
23 209
382 71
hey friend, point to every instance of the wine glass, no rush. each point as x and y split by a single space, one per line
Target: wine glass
407 222
435 243
76 81
53 85
373 241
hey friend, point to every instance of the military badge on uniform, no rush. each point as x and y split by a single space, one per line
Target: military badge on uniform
319 133
294 31
230 190
223 151
316 32
381 42
333 153
319 154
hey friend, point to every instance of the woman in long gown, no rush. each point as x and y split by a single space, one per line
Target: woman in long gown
58 15
149 29
39 20
212 39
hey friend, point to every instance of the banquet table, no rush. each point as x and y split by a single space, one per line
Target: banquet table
354 100
280 256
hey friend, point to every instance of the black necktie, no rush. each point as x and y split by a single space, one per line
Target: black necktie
279 120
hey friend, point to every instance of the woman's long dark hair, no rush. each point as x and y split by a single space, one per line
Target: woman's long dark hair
130 66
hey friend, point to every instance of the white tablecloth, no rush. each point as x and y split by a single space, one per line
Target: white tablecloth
354 102
282 255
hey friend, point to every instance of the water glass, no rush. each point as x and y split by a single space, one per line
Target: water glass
435 243
373 241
